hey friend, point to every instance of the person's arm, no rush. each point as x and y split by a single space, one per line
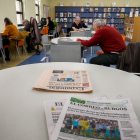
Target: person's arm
96 39
5 32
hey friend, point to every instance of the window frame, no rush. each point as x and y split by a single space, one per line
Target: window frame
20 12
38 12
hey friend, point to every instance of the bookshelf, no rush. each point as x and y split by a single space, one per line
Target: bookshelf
114 16
132 28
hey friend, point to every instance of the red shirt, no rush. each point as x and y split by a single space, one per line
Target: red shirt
108 38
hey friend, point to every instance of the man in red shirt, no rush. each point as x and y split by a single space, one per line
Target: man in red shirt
110 41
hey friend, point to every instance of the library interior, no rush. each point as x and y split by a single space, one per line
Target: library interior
70 70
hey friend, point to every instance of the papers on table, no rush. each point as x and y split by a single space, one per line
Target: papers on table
81 118
65 81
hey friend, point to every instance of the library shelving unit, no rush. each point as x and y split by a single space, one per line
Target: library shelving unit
132 28
114 16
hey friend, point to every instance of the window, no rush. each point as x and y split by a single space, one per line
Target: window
37 10
19 11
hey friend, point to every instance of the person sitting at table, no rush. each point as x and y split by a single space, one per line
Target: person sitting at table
83 23
76 26
11 31
50 24
110 41
26 23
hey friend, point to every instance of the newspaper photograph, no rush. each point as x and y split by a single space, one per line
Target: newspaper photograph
83 119
64 80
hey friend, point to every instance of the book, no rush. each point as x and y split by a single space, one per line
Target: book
70 20
96 9
82 9
56 14
122 21
61 14
65 14
61 19
112 25
108 15
132 10
109 10
112 20
122 9
113 9
87 9
95 15
74 14
91 9
69 14
104 15
78 14
57 19
117 15
90 20
86 20
99 15
105 9
118 10
94 19
65 19
121 15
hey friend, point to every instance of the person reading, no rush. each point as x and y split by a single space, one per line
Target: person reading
110 41
76 26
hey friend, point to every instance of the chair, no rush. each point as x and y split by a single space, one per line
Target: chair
43 31
19 44
65 53
2 50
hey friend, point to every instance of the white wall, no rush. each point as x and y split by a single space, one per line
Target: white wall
8 9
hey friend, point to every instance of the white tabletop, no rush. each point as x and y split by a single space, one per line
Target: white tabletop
22 114
92 32
55 40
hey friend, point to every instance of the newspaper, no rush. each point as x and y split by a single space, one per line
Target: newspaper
64 80
83 119
53 110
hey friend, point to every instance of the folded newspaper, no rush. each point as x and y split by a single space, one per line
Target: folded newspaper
64 81
87 119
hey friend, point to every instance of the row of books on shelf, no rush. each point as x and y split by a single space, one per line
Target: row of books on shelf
72 20
108 15
128 34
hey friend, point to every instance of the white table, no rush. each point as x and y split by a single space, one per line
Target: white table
92 32
22 115
55 40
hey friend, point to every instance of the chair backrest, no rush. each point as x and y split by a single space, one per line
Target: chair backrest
1 45
45 43
63 33
123 38
65 53
43 31
81 34
47 29
59 28
60 42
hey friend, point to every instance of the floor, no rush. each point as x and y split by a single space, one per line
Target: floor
33 58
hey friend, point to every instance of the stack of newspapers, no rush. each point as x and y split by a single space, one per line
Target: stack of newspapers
104 118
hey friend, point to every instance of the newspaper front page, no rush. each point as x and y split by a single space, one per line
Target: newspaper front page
83 119
64 80
53 110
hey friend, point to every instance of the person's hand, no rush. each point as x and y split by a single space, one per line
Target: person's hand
73 28
80 29
77 39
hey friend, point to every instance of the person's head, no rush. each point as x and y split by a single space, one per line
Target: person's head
7 21
24 21
98 24
77 20
49 18
82 20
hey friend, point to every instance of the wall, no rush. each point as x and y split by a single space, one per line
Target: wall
8 9
53 3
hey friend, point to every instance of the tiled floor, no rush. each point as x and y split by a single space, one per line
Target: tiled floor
33 58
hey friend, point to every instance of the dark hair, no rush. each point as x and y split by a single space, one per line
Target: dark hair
8 21
49 18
